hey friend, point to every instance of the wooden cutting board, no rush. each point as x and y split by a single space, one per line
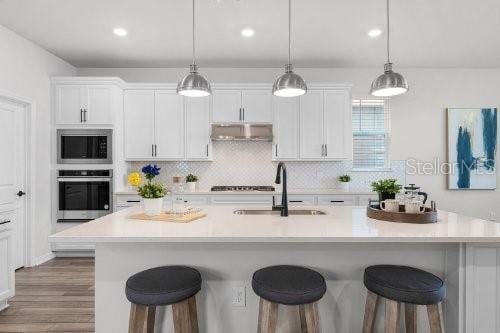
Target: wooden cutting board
169 217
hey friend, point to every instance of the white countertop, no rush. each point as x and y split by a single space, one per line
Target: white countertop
290 192
340 224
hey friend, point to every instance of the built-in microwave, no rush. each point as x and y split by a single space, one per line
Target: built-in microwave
84 146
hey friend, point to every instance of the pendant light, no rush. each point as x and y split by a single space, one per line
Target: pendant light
289 84
390 83
194 84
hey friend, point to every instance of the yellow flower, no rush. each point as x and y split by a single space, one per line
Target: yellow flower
134 179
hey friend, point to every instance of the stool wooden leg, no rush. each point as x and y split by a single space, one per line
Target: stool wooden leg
268 316
435 318
309 318
411 318
391 316
370 311
142 319
185 316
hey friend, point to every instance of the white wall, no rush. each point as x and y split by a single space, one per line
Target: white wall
418 117
25 70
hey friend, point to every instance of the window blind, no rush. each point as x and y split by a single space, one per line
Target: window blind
370 125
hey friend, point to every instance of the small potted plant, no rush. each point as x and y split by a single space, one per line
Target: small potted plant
152 193
344 181
191 182
386 188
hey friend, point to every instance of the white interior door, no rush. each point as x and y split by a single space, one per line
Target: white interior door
12 174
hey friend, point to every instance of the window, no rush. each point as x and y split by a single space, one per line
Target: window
370 127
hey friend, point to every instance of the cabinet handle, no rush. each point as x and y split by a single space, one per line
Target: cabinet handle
243 114
326 149
240 115
276 150
207 149
337 201
133 200
84 115
152 150
81 115
322 149
295 201
5 222
156 150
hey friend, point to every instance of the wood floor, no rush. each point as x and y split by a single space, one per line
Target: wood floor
57 296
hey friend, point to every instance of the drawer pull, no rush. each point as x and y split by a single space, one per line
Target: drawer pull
5 222
133 200
295 201
337 201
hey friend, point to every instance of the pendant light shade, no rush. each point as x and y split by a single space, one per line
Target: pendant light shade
390 83
289 84
194 84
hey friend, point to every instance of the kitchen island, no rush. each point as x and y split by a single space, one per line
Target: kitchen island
227 249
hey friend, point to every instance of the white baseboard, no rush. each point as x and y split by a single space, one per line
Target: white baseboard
4 305
43 258
76 254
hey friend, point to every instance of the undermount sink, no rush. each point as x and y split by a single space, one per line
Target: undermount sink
277 212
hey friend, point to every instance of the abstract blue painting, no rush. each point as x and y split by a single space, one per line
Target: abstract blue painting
472 148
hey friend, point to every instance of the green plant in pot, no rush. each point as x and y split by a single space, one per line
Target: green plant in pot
191 182
344 181
152 193
386 188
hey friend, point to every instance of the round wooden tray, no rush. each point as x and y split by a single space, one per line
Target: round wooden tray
429 216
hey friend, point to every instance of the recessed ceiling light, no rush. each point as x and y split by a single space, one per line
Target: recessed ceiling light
247 32
374 33
120 32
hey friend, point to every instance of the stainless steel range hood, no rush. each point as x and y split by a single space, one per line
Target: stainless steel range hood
242 132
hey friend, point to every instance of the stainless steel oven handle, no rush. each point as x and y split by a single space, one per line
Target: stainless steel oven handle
84 180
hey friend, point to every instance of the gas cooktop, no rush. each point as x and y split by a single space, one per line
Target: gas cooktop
242 188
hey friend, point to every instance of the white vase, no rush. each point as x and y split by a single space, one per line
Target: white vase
344 186
191 186
152 207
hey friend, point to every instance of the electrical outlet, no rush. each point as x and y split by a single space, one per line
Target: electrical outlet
493 216
239 296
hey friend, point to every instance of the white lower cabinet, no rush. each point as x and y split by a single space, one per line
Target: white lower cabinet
6 267
242 199
364 199
297 200
337 200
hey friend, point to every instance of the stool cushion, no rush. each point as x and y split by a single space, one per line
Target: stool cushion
163 285
289 285
404 284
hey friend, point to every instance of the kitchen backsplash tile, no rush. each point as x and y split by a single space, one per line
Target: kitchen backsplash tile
249 163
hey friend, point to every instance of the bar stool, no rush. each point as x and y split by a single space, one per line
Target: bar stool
167 285
288 285
402 284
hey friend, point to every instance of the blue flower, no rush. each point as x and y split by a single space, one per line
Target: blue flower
151 171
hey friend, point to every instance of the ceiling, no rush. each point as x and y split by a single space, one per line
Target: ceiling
326 33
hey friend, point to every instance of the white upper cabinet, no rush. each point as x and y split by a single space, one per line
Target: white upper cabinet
234 106
325 124
139 124
338 124
226 106
198 144
257 106
311 125
169 125
85 104
286 128
161 125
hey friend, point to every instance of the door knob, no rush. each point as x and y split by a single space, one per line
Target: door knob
20 193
